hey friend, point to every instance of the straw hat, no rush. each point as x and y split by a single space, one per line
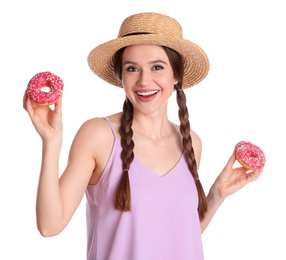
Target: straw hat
150 28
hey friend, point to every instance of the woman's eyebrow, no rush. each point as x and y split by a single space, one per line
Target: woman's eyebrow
150 62
157 61
129 62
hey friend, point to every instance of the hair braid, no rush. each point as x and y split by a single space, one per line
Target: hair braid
123 194
185 130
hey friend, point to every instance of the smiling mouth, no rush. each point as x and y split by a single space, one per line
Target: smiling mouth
146 94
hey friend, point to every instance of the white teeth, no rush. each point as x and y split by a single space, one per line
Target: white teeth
147 93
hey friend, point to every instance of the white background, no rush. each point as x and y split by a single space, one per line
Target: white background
242 98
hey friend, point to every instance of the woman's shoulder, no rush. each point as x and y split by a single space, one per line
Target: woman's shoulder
97 133
100 125
196 143
195 137
97 130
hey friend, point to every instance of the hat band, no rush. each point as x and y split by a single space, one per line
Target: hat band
136 33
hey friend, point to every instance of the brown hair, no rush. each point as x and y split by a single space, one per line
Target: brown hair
123 195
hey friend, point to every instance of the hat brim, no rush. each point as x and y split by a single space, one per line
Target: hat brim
196 63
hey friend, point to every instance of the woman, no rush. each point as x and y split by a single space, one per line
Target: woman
138 169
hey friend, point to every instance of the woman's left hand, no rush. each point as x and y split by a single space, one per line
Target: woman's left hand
231 180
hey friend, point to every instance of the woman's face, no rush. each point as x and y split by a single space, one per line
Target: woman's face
147 77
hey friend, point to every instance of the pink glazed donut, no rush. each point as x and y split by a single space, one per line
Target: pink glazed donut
250 156
41 80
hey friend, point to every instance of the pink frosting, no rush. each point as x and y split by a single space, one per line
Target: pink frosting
250 154
40 80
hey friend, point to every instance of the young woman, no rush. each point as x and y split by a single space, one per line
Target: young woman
139 170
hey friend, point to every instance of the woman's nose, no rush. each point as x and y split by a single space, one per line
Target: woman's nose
145 78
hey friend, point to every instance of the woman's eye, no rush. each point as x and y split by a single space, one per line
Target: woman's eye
158 67
132 69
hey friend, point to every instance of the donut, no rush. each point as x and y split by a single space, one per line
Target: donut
250 156
41 80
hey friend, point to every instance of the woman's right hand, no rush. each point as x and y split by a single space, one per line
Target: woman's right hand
47 122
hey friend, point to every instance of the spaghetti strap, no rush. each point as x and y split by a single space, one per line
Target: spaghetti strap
113 131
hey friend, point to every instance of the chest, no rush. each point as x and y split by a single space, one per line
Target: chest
159 157
174 190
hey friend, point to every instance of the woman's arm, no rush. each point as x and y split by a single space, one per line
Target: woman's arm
57 199
214 200
228 182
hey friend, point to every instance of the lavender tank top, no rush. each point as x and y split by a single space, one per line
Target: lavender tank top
163 223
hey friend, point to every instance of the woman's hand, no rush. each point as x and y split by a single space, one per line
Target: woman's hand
231 180
47 122
228 182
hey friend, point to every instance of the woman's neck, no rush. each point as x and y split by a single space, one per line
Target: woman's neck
156 125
